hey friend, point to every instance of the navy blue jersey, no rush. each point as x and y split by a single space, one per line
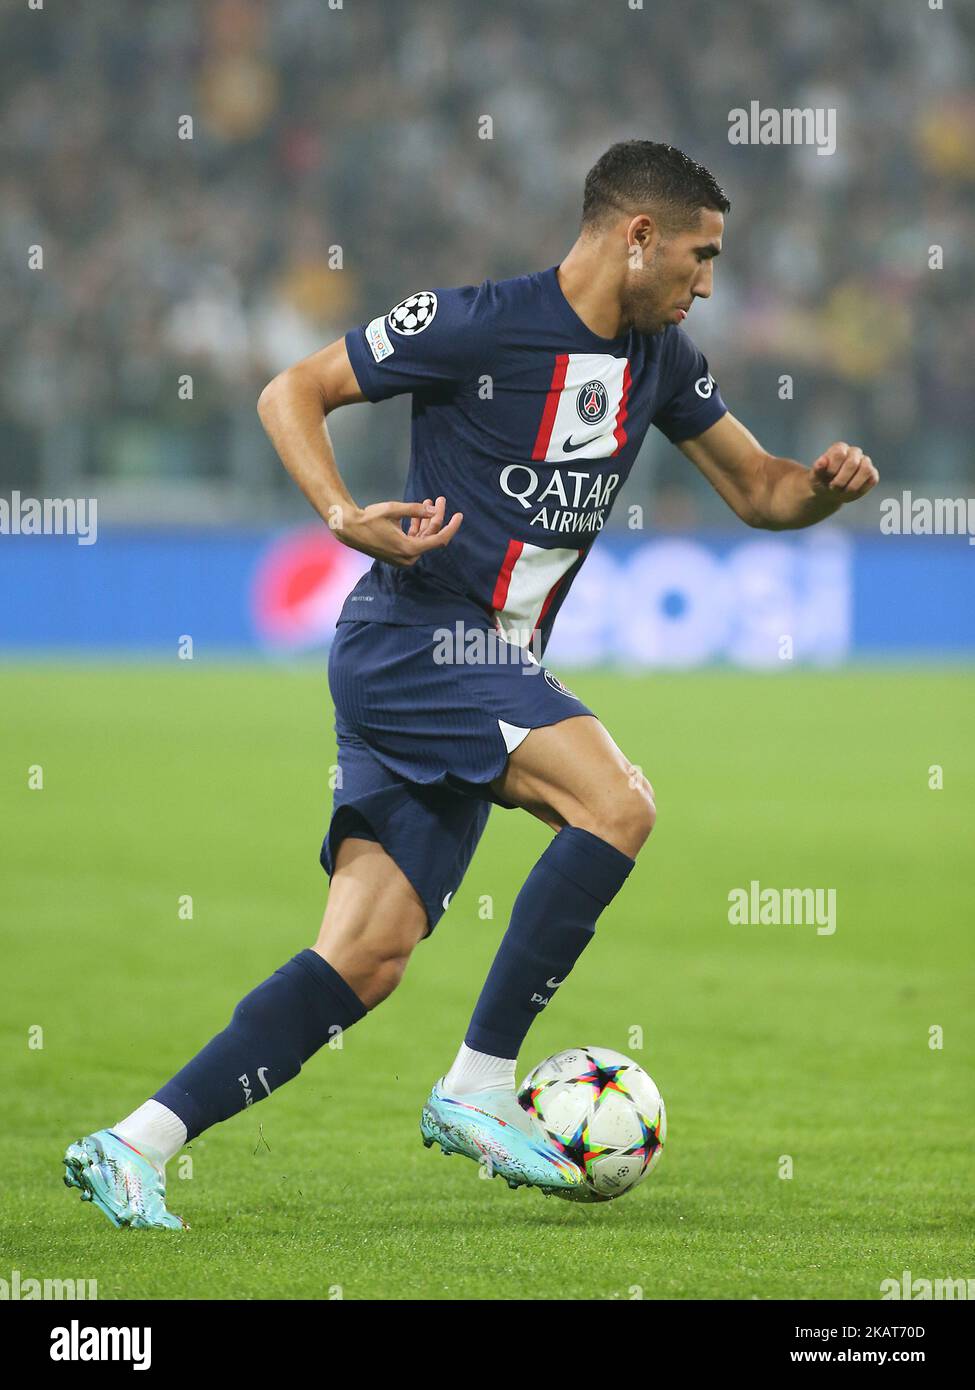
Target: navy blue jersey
528 423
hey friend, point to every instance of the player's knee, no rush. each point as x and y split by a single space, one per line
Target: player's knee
380 977
641 810
630 815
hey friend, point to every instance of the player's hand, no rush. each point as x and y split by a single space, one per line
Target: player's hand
844 473
420 525
376 530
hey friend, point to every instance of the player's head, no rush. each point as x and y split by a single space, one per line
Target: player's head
661 214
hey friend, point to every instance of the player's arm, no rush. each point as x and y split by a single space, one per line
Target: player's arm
293 409
777 493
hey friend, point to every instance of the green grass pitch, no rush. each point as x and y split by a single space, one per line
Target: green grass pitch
766 1041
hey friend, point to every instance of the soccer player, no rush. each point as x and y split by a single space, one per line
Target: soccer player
531 399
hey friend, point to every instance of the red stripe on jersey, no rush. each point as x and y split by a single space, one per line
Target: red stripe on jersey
620 432
503 581
549 597
548 602
551 407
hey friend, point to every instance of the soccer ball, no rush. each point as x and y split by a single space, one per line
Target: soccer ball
414 314
602 1111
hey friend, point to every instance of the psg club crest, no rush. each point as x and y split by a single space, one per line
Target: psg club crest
592 403
556 684
413 314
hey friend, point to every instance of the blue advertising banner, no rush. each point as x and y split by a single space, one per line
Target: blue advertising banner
817 597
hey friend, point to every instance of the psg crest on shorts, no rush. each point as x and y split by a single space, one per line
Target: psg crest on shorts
592 402
413 314
556 684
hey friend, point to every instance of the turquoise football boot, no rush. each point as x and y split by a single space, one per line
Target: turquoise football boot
120 1181
491 1128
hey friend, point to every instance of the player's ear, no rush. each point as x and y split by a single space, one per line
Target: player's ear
640 231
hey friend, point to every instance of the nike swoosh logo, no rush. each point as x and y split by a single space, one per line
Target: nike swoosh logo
569 448
261 1073
554 984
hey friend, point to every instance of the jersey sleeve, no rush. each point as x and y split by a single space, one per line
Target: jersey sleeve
691 401
431 339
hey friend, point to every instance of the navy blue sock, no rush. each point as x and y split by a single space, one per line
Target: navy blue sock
275 1028
552 922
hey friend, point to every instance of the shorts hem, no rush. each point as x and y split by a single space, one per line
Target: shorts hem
349 822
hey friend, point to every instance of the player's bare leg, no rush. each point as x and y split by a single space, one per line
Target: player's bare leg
573 774
372 923
373 920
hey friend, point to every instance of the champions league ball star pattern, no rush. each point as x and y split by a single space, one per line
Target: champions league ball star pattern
604 1112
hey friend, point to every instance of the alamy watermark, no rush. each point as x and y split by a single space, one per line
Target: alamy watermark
919 1290
463 645
77 1343
50 516
17 1289
790 907
908 515
765 125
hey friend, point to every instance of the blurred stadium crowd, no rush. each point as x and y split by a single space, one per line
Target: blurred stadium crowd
358 128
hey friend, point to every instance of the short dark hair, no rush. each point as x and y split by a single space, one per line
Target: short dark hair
641 174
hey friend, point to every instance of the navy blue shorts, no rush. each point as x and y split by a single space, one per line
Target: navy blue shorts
420 740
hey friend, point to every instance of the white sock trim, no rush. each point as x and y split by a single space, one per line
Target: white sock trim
479 1071
155 1131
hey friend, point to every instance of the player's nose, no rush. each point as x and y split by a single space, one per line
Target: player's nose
704 282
